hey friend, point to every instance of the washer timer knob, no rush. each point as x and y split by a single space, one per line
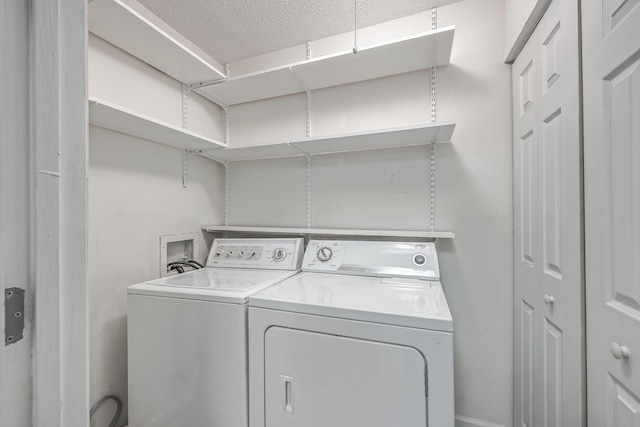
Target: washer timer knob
279 254
324 254
419 259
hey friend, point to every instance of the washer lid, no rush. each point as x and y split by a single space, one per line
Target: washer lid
393 301
212 284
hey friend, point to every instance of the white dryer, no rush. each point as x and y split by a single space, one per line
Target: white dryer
362 337
187 335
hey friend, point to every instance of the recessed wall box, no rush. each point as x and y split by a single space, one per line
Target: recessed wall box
177 247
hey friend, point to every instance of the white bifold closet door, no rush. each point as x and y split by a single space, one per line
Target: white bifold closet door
611 70
549 362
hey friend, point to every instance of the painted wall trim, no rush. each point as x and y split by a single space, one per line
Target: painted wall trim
530 25
462 421
59 184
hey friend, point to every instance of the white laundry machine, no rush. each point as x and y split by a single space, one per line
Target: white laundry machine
187 335
362 337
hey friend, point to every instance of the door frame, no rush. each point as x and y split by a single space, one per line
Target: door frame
59 234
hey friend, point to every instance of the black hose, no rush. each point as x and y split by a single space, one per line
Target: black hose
194 262
178 268
118 410
190 263
182 263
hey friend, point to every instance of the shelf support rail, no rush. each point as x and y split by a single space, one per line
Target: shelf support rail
225 164
308 91
185 165
226 193
185 153
188 153
226 108
308 156
185 101
432 160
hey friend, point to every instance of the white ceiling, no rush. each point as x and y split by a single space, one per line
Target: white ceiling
230 30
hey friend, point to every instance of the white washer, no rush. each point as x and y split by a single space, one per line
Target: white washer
362 337
187 335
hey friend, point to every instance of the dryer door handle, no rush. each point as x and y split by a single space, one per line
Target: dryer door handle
287 394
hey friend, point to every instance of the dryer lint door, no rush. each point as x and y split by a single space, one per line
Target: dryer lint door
318 380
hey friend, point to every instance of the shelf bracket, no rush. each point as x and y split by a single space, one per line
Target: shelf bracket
225 107
185 165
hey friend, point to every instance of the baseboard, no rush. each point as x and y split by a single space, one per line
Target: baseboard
471 422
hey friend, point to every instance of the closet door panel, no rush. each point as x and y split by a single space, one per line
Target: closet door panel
549 289
553 375
552 195
623 284
624 404
561 280
611 70
524 405
527 224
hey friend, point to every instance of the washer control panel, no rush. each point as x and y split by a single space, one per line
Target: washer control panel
273 254
370 258
323 255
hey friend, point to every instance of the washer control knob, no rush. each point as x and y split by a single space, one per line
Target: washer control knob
279 254
324 254
419 259
252 254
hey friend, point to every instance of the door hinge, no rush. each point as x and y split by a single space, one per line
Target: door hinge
13 315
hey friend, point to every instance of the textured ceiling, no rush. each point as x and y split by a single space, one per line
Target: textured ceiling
230 30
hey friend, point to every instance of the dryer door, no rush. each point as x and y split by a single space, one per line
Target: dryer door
319 380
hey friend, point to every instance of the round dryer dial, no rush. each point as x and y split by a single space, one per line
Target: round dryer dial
324 254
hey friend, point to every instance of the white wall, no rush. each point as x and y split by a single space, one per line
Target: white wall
389 189
475 200
135 196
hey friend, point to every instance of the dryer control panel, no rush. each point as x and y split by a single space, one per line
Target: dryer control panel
367 258
268 254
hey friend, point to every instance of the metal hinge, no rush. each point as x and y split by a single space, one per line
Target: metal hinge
13 315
